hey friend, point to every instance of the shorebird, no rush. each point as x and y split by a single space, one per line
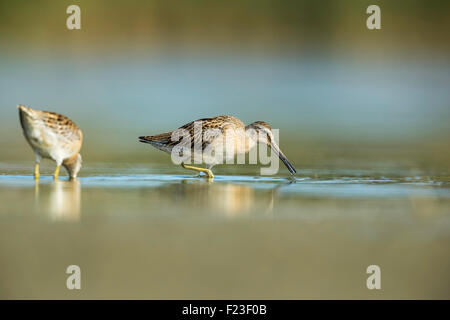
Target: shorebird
52 136
239 137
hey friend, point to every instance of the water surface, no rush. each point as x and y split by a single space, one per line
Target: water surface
144 231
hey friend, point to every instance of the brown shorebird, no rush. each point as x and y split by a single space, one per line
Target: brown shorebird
52 136
239 137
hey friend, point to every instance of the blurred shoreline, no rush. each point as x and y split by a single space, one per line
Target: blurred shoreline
410 24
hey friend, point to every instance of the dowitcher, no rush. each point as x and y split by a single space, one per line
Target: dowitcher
52 136
242 138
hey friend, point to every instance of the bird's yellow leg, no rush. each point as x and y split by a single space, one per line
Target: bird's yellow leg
207 171
36 171
57 172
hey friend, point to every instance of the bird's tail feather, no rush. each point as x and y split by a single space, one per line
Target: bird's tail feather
158 139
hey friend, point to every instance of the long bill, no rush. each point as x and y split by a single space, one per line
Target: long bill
283 158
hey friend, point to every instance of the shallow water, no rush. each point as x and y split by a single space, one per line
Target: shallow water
155 231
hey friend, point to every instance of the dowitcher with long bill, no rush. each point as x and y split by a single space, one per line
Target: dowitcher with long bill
239 139
53 136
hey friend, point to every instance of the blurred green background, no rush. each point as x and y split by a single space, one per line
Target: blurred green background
336 90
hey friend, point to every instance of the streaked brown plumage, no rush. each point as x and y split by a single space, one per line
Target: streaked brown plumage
221 123
233 127
53 136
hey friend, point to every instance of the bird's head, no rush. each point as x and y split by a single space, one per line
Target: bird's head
73 165
261 131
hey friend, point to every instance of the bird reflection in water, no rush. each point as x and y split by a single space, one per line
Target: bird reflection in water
60 201
231 200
